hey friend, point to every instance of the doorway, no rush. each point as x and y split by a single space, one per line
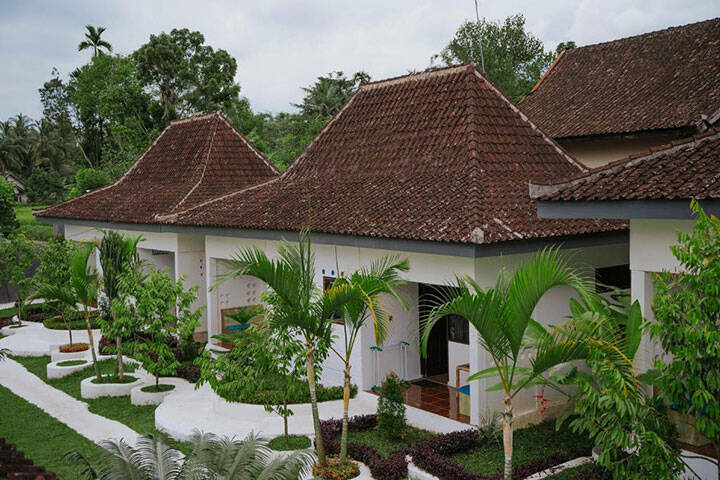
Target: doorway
433 366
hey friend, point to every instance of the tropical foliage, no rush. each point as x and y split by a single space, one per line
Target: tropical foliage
17 254
8 219
687 308
93 41
210 457
391 407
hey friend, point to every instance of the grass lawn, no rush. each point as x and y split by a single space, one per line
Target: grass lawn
29 226
139 418
537 441
295 442
384 444
42 438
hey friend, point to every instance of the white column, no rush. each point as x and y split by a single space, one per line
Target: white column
478 388
211 298
641 289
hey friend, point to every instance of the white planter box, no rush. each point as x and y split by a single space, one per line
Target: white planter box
58 356
88 389
56 371
138 397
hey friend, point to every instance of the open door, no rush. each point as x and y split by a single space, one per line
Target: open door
435 365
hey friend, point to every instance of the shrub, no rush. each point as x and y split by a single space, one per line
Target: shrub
57 323
189 372
334 469
87 179
8 220
391 409
75 347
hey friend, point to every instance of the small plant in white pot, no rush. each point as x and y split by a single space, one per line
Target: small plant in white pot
163 310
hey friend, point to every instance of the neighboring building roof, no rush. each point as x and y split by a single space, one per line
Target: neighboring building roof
191 161
660 80
10 177
681 171
438 156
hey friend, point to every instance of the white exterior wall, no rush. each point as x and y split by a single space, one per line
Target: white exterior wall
458 354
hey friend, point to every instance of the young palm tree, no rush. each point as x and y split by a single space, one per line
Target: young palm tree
210 457
503 319
300 305
94 41
382 276
118 255
81 290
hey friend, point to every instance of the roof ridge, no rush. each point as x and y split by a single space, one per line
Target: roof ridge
195 117
538 190
417 76
647 34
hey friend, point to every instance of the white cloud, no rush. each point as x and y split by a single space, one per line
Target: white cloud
281 46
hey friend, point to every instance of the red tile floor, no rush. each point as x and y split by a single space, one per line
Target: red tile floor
435 397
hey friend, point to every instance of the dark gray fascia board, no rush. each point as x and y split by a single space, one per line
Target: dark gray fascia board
418 246
624 209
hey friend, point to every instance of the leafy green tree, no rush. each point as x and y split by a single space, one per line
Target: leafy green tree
513 57
8 219
391 407
87 179
163 311
185 75
381 277
118 256
330 93
45 185
93 41
687 309
209 456
300 305
503 319
82 289
17 254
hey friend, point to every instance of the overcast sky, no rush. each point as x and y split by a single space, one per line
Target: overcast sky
283 45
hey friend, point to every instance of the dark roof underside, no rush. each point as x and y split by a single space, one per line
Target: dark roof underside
661 80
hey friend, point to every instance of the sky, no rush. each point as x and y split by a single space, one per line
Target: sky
281 46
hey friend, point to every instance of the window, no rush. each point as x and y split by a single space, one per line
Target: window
617 277
458 329
327 284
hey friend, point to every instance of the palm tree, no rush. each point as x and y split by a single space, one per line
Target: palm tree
94 41
210 457
118 256
300 305
81 290
381 277
502 317
4 352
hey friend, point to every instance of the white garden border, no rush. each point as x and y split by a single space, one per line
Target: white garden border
57 371
139 398
57 356
88 389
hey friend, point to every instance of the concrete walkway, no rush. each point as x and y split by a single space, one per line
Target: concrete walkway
34 340
60 405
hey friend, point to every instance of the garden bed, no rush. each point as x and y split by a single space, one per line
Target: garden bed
459 455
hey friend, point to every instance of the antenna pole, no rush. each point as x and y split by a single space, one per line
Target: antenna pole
477 19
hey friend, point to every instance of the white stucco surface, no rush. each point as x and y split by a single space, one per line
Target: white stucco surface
34 340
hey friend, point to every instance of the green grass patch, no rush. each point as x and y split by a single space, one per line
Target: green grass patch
115 379
71 363
30 226
139 418
8 312
41 437
163 387
294 442
17 326
57 323
385 444
531 443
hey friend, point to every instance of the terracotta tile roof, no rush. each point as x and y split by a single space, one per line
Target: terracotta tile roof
661 80
192 161
437 156
680 171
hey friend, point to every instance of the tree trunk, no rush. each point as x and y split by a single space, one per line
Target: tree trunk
120 369
508 437
92 345
346 407
319 447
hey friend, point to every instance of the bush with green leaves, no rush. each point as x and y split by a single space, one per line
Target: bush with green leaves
16 257
687 309
391 407
8 220
87 179
160 309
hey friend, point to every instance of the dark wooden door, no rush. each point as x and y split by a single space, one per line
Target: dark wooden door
436 360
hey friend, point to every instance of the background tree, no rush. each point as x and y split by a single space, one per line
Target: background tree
163 309
184 75
687 313
118 257
514 58
8 219
17 254
93 41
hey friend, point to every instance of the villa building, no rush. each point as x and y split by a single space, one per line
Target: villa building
433 167
654 191
606 101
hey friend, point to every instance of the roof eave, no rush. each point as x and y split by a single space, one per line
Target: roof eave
624 209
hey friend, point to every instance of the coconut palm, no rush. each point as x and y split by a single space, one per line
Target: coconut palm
118 256
381 277
502 317
94 41
210 457
81 290
299 304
